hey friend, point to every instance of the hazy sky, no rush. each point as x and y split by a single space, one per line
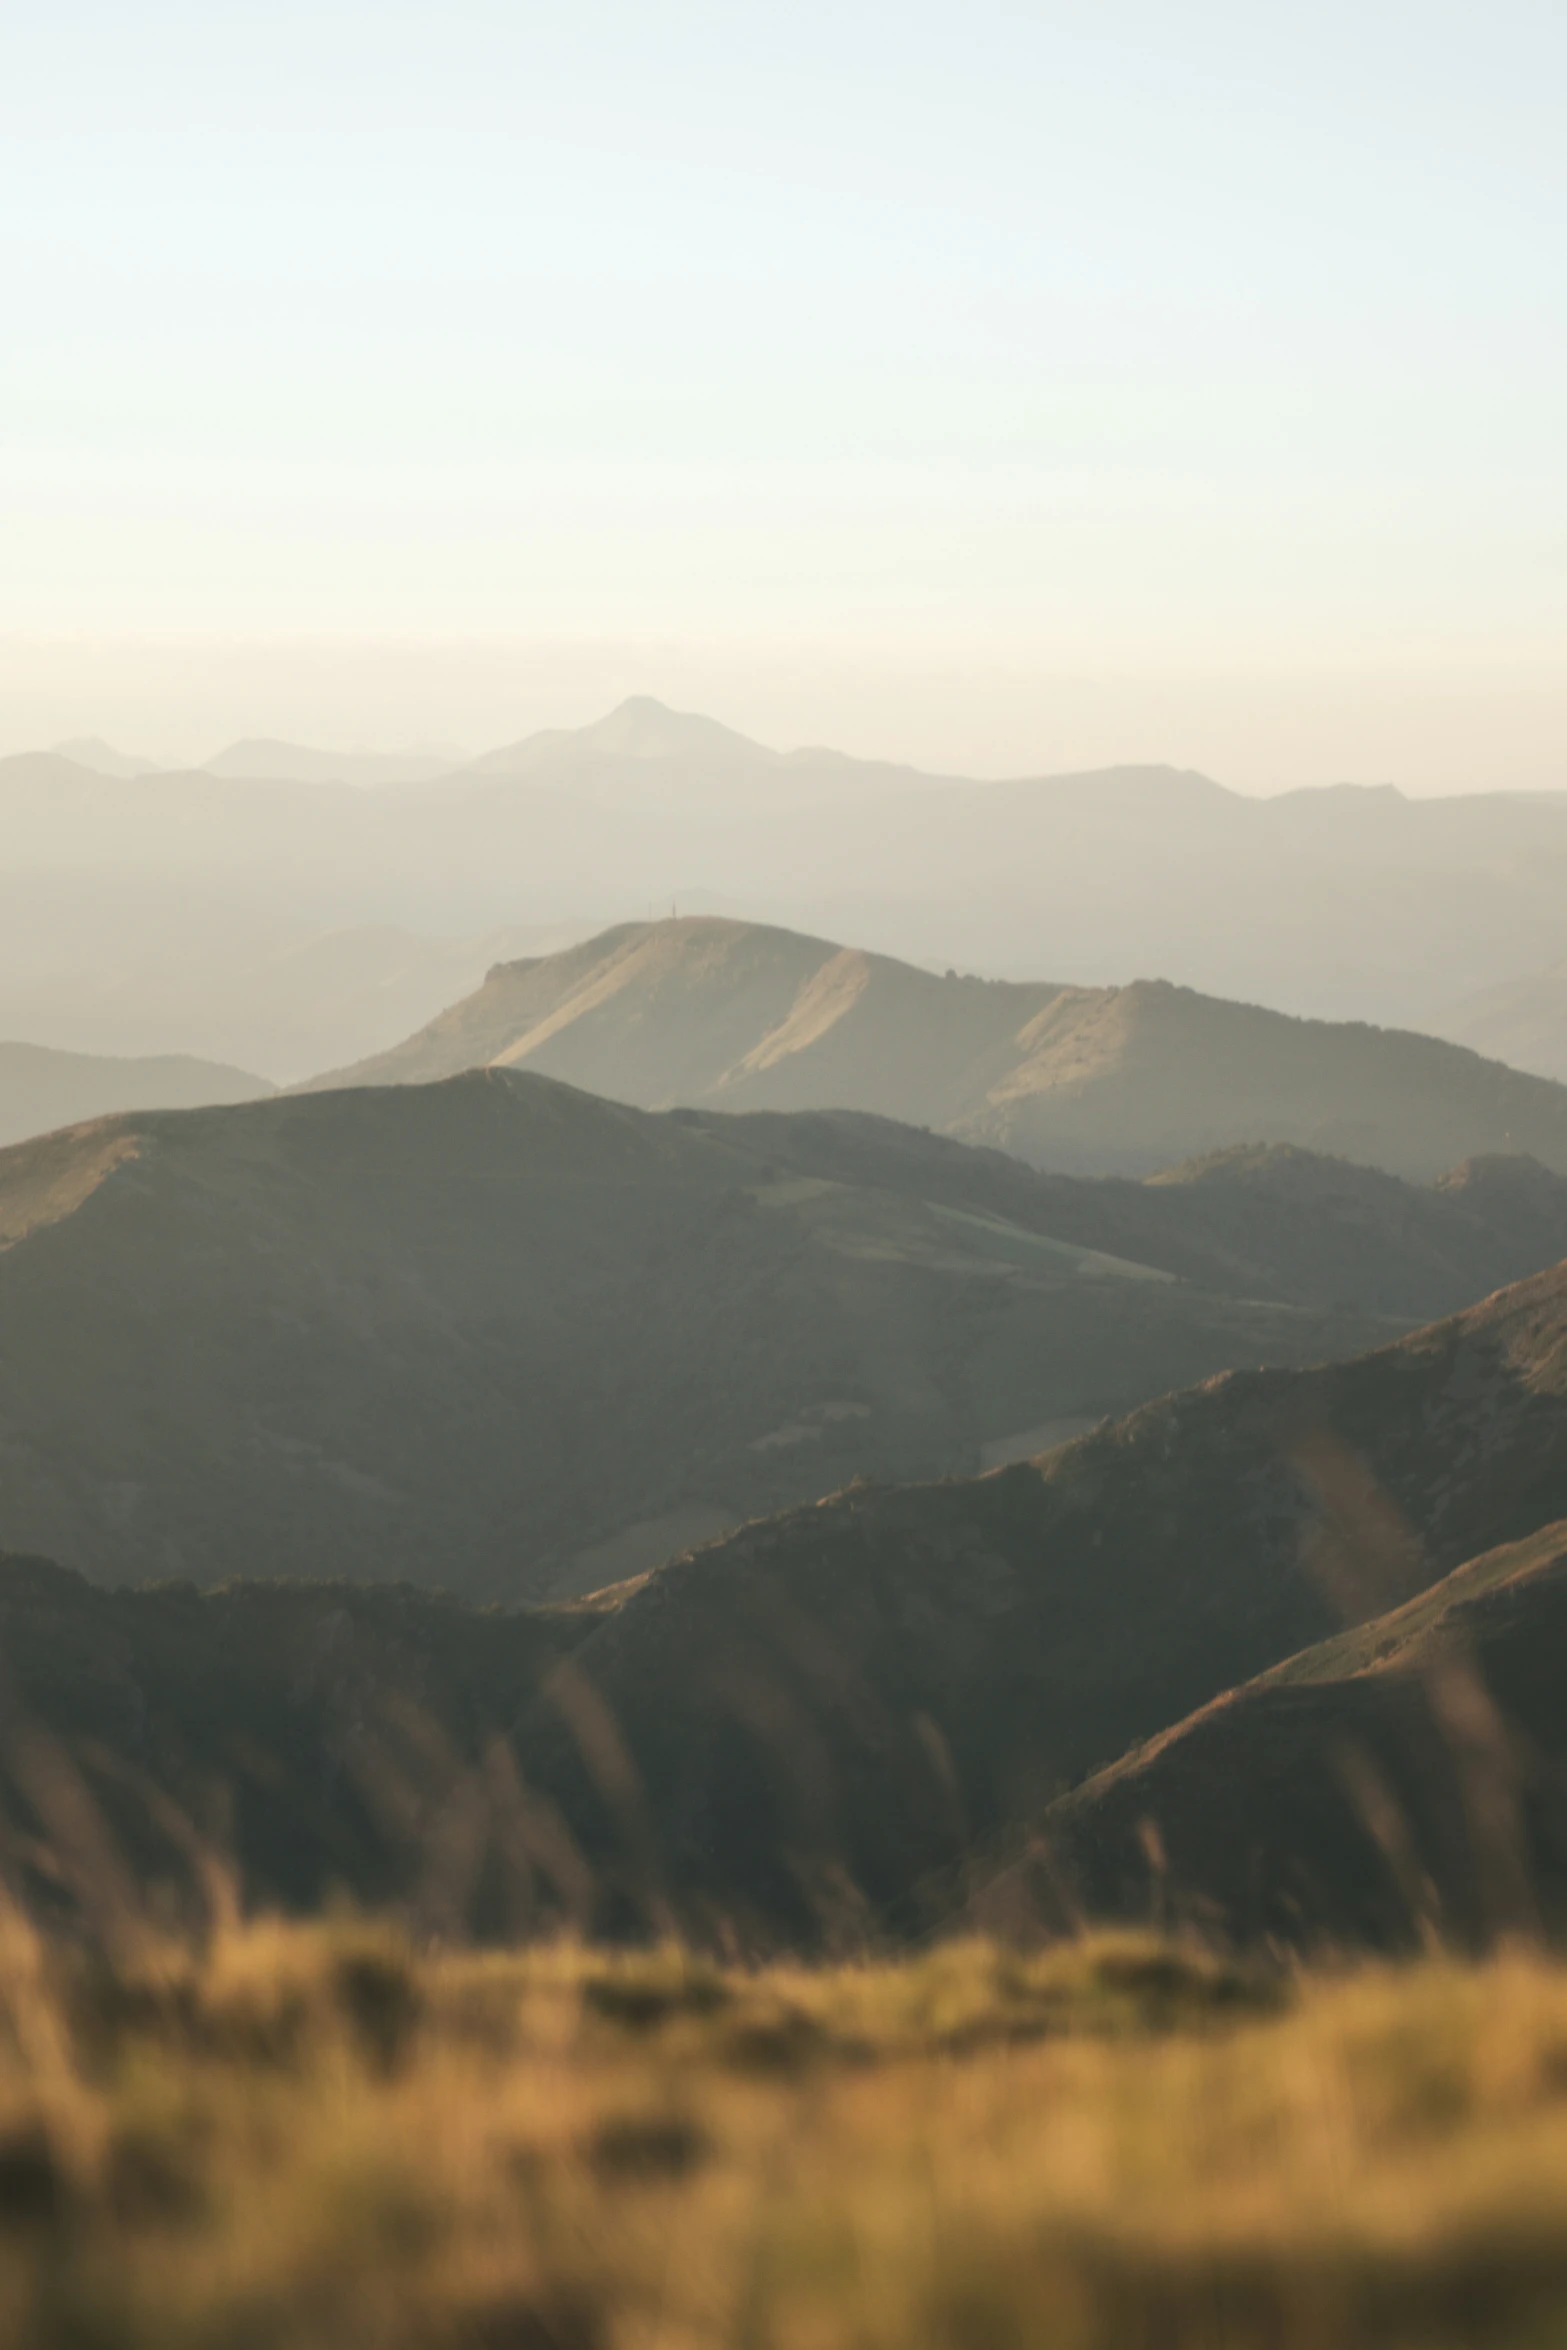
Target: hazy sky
1007 385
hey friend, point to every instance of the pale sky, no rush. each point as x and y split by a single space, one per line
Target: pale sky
1012 386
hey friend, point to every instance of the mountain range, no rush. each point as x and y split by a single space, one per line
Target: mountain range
1089 1080
1344 903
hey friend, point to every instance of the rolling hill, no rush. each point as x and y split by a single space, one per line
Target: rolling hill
1086 1080
504 1336
41 1088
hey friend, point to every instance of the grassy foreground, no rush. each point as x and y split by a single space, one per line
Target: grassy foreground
310 2137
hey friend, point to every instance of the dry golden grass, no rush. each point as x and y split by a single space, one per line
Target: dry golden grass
308 2137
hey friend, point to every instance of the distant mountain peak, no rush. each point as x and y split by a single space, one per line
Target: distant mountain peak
90 750
638 728
643 728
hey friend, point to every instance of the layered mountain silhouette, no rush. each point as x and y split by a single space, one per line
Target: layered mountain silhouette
1350 903
1092 1080
1281 1651
889 1530
40 1089
504 1336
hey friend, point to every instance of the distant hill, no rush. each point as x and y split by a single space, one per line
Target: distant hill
264 761
272 996
92 751
1268 1221
645 756
500 1335
41 1089
1087 1080
1522 1021
1391 1784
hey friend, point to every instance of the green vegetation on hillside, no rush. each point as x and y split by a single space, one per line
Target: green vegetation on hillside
302 2140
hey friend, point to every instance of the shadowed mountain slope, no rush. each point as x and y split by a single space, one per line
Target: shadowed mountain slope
41 1089
859 1693
1404 1779
1283 1222
502 1335
1264 1221
312 1734
1087 1080
824 1722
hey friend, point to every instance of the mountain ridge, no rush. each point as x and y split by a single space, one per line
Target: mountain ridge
1095 1081
923 1663
477 1331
